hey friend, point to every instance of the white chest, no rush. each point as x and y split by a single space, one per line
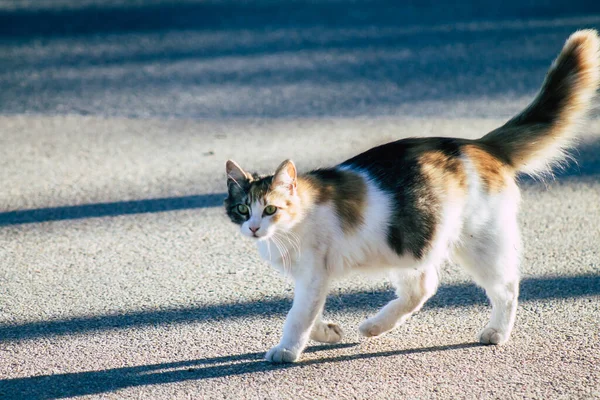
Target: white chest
281 254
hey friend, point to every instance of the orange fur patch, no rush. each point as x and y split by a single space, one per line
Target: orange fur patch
284 203
494 174
445 174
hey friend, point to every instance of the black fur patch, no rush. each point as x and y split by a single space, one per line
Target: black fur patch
237 193
347 191
395 167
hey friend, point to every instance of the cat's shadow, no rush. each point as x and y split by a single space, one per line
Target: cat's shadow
360 355
96 382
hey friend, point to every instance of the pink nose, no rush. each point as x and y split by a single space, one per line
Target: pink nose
254 230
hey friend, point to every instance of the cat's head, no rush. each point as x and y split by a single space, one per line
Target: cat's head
262 205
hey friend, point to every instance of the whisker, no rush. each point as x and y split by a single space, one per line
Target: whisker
269 250
292 241
287 262
281 237
298 240
278 248
285 257
298 243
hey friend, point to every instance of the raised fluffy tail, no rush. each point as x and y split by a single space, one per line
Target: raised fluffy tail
537 138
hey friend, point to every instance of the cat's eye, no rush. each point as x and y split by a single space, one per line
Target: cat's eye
243 209
270 210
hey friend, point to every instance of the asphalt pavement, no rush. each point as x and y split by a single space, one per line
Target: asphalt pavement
120 275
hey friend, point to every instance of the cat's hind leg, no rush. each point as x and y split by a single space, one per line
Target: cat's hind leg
493 262
413 289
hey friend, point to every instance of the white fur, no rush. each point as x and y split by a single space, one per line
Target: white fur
490 250
479 231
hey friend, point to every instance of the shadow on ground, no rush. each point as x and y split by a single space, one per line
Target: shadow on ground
94 382
273 59
457 295
586 166
111 209
43 19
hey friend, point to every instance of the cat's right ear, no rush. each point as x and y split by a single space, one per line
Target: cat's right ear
235 173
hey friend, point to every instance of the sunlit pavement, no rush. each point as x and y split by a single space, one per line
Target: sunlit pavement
120 276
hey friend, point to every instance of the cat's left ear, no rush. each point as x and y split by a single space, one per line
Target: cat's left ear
286 176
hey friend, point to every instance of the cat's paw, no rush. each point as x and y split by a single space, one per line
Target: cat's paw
493 336
371 327
280 354
327 332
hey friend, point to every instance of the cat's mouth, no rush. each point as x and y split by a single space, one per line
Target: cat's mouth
256 236
261 237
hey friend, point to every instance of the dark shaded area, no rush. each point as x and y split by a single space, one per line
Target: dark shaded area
278 59
447 296
27 22
585 163
94 382
111 209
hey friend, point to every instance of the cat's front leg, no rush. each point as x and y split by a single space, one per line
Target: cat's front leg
309 297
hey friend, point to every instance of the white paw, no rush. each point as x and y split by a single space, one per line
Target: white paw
493 336
371 327
327 333
280 354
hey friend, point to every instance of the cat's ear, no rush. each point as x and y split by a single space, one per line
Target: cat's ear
285 176
235 173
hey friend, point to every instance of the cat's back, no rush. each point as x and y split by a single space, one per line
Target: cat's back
428 183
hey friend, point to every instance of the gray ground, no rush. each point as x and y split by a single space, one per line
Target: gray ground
120 276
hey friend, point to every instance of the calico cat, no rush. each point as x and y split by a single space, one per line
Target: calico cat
409 205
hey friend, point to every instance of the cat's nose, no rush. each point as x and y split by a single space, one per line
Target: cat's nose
254 230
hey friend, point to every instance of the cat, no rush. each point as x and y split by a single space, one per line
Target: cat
408 206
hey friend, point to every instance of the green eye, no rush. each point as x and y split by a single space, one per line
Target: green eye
270 210
243 209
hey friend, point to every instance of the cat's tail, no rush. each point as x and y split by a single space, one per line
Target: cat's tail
537 138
